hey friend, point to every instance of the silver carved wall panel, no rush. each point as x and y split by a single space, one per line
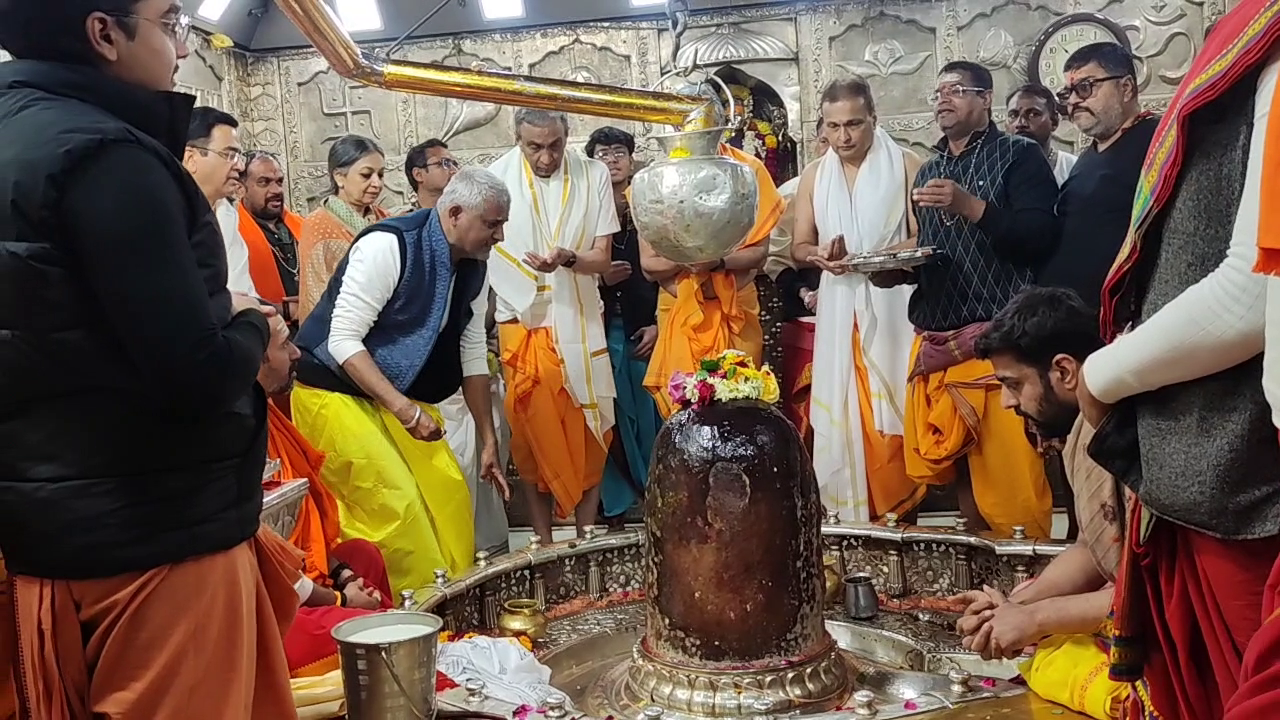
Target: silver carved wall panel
292 104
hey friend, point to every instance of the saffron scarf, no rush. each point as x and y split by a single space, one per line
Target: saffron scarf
1240 42
262 260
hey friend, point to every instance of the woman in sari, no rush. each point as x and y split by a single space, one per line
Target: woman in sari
356 167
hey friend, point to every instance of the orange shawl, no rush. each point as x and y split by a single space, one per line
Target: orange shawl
262 261
316 533
727 317
322 244
1268 262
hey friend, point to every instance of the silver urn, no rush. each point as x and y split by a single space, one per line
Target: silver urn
694 206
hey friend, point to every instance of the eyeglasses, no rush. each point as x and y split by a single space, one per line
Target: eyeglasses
177 27
952 92
235 157
607 155
446 163
1084 88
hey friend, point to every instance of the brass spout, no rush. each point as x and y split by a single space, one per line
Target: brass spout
321 27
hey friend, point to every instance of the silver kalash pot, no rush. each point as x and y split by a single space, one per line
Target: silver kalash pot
694 205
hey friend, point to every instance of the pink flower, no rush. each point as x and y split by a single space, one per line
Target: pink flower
706 393
988 682
676 391
910 705
522 712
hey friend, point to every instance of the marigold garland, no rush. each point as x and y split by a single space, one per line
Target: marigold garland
730 376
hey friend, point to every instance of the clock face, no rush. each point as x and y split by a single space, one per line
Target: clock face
1057 46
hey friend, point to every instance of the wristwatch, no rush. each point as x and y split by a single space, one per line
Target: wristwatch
573 260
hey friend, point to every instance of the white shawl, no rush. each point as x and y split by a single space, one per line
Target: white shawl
571 298
871 217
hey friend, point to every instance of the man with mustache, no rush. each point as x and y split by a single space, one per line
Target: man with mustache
1031 111
1036 346
270 233
1094 205
985 203
555 355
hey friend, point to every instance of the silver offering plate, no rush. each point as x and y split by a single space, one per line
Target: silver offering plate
882 260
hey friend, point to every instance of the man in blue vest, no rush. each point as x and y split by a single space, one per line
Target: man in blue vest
400 328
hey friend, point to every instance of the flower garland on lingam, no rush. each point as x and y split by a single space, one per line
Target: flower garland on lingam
758 137
732 375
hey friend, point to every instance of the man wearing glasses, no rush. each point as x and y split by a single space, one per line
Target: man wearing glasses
429 167
132 428
216 162
1101 97
984 202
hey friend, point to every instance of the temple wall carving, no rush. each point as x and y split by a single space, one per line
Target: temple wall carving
291 103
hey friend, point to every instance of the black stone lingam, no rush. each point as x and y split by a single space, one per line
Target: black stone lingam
733 569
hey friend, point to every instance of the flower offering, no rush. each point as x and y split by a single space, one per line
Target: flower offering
729 376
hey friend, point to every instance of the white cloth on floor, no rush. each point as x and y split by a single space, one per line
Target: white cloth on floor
510 672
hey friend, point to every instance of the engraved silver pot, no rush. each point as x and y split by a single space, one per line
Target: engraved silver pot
694 206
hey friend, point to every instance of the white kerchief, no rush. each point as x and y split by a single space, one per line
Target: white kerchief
871 217
567 301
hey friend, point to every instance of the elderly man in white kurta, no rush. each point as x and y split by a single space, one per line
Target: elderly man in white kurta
555 359
854 199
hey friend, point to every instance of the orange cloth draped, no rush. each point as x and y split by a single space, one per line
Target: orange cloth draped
797 349
891 488
322 243
8 649
1199 600
1259 693
199 638
262 261
309 647
694 324
954 413
552 445
317 530
1268 262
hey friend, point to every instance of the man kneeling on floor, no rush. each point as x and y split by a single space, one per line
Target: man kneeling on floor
1036 345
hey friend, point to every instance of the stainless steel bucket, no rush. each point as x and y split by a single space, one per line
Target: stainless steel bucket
389 665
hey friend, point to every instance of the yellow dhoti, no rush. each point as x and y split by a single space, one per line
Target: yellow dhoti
552 445
406 496
956 413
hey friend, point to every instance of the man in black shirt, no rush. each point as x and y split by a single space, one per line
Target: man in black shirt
132 429
984 202
1094 207
630 311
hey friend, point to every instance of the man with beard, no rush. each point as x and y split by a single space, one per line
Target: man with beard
1101 95
1036 345
984 202
1032 112
270 233
1177 396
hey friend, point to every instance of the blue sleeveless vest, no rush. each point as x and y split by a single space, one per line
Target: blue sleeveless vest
406 331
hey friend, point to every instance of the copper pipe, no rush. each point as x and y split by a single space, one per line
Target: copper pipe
322 28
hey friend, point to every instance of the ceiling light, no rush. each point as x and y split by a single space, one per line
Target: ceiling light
501 9
647 3
359 15
212 10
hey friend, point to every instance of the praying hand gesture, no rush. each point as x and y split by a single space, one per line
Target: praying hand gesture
994 627
830 256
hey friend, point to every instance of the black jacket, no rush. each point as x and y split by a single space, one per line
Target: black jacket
132 432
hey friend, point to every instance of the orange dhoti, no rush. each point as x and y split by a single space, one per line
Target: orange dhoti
8 650
552 444
694 326
200 638
797 349
891 489
954 413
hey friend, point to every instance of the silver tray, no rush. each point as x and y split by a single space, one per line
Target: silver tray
882 260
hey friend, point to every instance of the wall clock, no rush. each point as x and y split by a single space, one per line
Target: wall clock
1064 36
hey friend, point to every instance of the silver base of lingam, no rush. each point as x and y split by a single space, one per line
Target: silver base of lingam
815 684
